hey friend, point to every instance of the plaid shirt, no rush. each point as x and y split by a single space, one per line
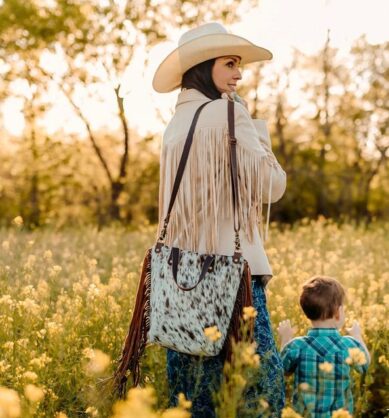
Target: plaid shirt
328 390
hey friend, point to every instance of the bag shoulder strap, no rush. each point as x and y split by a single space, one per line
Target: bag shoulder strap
180 171
184 158
234 177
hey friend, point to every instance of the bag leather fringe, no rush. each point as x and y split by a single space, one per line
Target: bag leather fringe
244 298
136 339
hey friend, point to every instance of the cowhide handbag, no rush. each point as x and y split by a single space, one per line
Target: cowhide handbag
181 293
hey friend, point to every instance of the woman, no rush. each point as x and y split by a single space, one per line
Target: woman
206 66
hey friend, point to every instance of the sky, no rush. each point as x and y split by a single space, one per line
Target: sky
278 25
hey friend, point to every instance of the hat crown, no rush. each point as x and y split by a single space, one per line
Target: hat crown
203 30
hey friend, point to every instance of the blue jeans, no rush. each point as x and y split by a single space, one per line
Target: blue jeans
199 378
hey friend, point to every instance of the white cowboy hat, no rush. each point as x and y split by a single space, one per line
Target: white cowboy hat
201 44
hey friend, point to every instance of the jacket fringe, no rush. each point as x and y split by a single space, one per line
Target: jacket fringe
204 197
136 339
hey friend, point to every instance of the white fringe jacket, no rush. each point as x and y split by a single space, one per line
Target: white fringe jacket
201 218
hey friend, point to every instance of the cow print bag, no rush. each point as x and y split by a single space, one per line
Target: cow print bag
181 293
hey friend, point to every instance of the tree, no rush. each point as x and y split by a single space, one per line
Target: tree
371 68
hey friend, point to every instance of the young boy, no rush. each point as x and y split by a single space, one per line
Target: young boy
321 360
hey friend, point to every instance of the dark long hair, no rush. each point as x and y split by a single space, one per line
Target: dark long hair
199 77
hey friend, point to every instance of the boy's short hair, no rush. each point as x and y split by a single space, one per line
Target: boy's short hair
321 297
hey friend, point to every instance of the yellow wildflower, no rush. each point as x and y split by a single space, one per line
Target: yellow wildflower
55 270
54 328
341 413
47 255
33 393
4 366
175 413
249 356
40 361
212 333
249 312
30 306
9 403
92 411
138 404
98 361
290 413
31 260
18 221
61 415
181 411
356 356
304 386
51 394
238 380
92 263
326 367
30 376
7 300
9 345
183 402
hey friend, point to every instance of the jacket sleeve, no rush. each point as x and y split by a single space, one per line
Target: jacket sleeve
254 137
290 357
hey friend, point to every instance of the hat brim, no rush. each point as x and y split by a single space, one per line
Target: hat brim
169 73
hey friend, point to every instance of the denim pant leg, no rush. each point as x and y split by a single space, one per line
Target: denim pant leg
197 378
270 385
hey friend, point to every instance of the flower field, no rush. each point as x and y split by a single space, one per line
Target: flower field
65 300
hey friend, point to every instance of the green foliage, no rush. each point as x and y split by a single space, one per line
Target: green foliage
71 188
30 25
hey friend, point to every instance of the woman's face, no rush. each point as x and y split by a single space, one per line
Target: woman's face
226 73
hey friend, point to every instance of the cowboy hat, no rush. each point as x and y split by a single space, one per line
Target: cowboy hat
201 44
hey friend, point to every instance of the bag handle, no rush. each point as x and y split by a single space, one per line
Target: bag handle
233 173
174 259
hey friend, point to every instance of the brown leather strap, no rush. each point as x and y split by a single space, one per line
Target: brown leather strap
233 164
181 168
175 259
234 176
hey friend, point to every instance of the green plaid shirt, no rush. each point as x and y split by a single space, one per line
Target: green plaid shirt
328 390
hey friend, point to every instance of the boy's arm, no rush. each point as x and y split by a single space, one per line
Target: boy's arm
289 352
356 332
285 332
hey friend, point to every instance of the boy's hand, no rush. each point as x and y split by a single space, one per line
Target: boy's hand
355 330
285 331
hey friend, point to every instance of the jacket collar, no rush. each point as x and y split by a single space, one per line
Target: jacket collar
323 332
191 95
